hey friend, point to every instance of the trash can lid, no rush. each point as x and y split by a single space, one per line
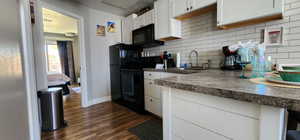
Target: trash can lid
50 90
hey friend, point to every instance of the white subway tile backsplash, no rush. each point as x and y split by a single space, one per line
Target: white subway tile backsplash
201 34
295 5
289 49
295 55
288 61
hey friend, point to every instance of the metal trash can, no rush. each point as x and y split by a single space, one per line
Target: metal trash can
52 111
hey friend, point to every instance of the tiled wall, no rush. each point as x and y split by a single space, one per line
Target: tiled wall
200 33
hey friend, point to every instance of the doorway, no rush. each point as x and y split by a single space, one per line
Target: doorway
64 51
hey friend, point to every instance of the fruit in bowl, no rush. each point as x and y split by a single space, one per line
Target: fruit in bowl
290 75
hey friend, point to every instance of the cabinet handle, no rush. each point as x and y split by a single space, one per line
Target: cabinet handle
273 3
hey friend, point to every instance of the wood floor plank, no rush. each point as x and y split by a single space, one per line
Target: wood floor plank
105 121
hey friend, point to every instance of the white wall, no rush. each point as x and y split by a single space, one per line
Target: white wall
200 33
96 46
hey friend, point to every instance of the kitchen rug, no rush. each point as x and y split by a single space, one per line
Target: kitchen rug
149 130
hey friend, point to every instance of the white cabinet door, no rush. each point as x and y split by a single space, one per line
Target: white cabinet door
234 11
165 25
198 4
153 105
149 17
139 22
180 7
127 27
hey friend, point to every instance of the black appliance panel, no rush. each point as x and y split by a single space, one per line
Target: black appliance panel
127 78
130 57
132 86
115 82
114 55
144 37
125 55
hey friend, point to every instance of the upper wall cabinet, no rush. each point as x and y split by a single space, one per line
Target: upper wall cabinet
144 20
235 13
127 27
184 9
166 28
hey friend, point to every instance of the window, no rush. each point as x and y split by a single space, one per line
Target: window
53 59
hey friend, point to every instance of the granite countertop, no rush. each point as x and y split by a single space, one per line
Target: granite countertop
173 70
227 84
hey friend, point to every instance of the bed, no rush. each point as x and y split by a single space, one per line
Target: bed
59 80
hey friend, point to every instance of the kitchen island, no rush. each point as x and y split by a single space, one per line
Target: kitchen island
217 105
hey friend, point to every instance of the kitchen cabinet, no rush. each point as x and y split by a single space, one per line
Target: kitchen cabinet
233 13
144 20
184 9
166 28
127 27
181 7
153 99
189 115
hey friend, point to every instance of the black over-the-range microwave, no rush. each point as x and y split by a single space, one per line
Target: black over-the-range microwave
145 37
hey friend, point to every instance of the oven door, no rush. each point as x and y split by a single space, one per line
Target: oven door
132 87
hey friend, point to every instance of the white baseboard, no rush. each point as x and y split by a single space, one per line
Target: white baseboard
99 100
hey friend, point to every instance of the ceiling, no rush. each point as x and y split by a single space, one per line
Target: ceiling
119 7
55 22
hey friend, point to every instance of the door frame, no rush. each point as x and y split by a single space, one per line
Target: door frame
83 62
27 52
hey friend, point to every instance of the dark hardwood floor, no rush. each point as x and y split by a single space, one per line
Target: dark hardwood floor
106 121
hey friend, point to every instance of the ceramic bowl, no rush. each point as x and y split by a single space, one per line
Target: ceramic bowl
290 75
297 68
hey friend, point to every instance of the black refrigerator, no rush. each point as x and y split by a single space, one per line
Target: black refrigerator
127 77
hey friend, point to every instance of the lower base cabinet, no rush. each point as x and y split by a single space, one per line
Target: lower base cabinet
153 97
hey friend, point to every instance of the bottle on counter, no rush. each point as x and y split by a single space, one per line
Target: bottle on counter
269 64
178 60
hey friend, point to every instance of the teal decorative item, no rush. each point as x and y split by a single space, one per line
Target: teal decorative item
297 68
290 75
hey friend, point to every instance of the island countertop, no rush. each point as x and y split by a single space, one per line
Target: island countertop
227 84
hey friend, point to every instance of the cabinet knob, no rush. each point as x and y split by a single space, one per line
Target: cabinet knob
187 9
150 100
191 7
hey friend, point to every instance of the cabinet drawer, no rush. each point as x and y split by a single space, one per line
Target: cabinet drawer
153 105
151 89
188 131
151 75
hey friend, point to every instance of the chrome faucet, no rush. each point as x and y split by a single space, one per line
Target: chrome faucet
197 55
